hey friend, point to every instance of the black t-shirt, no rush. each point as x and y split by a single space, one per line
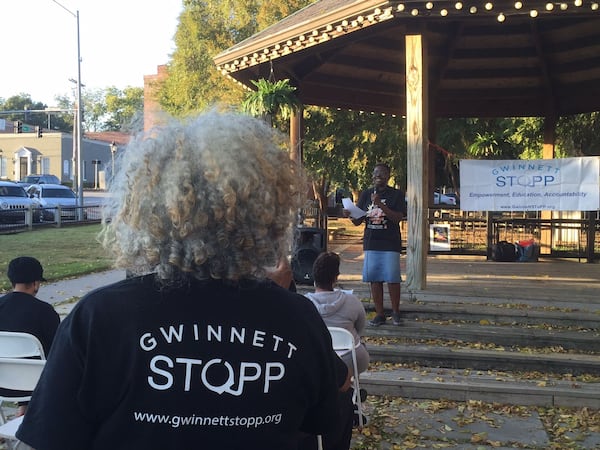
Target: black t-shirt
26 314
208 366
381 233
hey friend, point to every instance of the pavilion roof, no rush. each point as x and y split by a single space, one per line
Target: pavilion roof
485 58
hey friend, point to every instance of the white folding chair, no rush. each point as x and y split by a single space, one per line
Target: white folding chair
15 344
343 342
17 374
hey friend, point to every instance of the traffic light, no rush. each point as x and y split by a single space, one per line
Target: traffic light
18 126
38 130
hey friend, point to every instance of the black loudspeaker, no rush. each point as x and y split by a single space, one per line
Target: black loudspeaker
308 244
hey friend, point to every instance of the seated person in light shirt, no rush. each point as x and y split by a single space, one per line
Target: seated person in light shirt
339 308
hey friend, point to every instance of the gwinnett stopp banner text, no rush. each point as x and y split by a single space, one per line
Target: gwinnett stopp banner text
569 184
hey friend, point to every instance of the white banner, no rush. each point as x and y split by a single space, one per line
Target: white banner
570 184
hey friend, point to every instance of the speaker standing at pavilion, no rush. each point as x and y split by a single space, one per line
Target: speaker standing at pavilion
382 243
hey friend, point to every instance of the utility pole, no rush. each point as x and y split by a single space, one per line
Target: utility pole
78 122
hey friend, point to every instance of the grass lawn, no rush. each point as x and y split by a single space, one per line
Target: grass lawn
74 250
64 252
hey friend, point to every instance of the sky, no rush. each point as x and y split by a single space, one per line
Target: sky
120 42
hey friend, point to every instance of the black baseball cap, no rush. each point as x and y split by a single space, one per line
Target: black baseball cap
25 269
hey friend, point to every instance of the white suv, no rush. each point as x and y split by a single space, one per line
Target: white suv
14 203
39 179
52 198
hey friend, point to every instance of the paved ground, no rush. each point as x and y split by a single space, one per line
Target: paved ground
401 424
64 294
405 424
472 279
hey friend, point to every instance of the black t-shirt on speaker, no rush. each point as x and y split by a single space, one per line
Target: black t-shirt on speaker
382 234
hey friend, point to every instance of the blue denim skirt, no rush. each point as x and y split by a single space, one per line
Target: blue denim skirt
380 266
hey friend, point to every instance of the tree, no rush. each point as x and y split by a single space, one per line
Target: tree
23 102
193 82
206 28
342 147
124 109
499 138
108 109
63 121
94 109
579 135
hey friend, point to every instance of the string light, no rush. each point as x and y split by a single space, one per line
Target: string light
489 6
378 14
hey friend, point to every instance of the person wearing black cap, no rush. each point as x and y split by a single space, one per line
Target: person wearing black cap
21 311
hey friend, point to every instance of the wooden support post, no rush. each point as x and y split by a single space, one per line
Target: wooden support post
591 236
417 102
547 153
296 136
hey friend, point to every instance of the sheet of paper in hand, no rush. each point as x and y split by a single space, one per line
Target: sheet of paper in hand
355 211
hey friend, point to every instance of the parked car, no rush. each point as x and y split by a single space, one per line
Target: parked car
14 203
443 199
52 196
39 179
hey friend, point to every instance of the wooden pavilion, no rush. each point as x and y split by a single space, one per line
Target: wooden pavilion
428 59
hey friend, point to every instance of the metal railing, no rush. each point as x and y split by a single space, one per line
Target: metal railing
476 233
32 218
471 233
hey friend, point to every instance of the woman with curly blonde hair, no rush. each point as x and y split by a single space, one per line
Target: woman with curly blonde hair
200 349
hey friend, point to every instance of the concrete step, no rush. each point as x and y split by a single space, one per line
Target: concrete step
510 336
499 315
494 373
459 358
464 385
